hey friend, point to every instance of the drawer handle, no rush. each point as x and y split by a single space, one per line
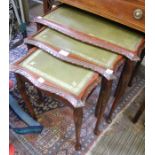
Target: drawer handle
138 13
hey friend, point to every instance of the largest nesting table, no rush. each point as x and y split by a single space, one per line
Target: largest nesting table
100 32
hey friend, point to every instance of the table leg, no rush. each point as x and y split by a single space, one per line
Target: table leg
138 114
78 116
122 85
136 67
22 90
47 6
105 92
98 104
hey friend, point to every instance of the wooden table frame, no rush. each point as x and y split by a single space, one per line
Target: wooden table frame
47 5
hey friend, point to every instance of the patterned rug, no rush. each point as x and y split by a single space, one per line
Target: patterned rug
123 137
58 135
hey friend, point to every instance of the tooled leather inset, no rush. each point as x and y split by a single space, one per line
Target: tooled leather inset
75 101
77 58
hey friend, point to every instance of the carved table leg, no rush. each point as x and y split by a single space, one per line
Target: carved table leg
78 116
122 85
136 67
21 87
105 92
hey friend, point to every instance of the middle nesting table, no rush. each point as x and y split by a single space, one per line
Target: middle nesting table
73 51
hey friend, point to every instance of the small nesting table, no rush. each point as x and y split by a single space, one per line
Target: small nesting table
68 83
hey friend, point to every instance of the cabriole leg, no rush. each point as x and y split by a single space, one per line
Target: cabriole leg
78 116
47 6
105 92
22 90
122 85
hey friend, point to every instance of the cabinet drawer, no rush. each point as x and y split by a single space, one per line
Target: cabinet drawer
128 12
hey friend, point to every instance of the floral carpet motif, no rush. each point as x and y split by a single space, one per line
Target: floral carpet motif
58 135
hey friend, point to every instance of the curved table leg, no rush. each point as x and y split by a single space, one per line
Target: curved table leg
78 116
105 92
21 87
122 85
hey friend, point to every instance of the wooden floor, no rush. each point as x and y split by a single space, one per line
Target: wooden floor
123 137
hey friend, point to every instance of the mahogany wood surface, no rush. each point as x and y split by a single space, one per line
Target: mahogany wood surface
120 11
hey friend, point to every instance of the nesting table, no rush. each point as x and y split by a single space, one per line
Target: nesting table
69 84
71 53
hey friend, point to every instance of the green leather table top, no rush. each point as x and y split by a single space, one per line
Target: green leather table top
97 55
61 74
95 26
